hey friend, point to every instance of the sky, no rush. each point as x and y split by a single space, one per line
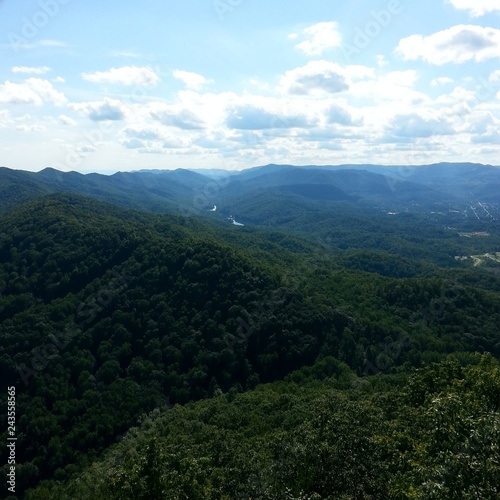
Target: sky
119 86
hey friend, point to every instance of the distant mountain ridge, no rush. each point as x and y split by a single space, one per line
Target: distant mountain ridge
193 190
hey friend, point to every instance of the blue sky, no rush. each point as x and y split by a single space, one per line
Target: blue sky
116 86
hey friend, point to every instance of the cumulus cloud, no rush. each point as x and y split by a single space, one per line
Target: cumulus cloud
457 44
315 76
133 144
66 120
193 81
318 38
477 8
39 70
107 110
179 118
46 91
142 132
18 93
248 117
126 75
414 125
34 91
442 80
340 115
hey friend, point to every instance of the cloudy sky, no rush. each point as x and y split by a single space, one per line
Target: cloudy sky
108 86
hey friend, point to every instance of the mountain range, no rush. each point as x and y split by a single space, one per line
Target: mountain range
177 190
159 350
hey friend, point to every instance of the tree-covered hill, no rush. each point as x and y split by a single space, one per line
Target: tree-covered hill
322 433
108 314
363 207
168 191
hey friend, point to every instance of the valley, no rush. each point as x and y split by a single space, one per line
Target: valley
200 317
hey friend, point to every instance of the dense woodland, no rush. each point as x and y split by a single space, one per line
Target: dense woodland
253 362
323 432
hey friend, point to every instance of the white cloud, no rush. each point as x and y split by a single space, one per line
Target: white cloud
142 132
414 125
129 54
18 93
477 8
192 81
87 148
30 128
126 75
34 91
59 79
133 143
143 137
381 61
175 116
319 37
39 70
442 80
46 91
5 118
247 117
19 43
458 94
457 44
339 115
66 120
153 151
107 110
323 76
495 76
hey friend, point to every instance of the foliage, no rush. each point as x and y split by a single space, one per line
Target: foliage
434 436
109 314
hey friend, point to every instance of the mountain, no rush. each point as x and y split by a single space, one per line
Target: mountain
180 189
321 433
167 191
426 183
108 314
469 181
320 203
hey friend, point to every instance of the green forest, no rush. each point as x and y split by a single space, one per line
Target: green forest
163 356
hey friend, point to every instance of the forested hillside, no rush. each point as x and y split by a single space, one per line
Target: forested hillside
109 314
323 433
